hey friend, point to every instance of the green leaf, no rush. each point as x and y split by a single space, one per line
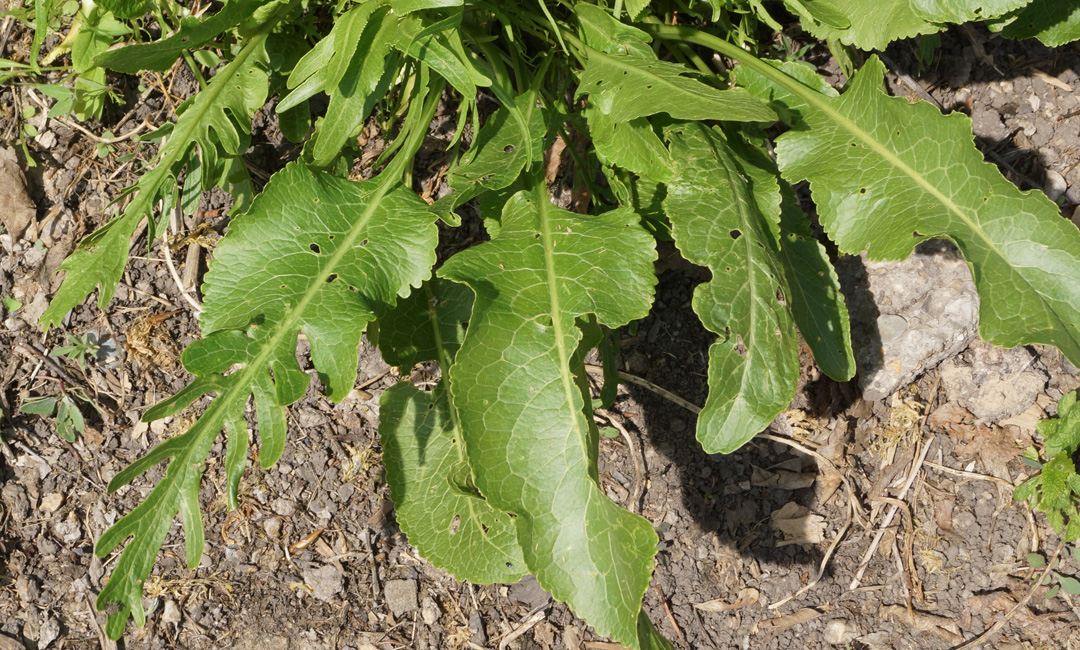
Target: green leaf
126 8
822 11
217 121
437 50
456 529
352 100
498 157
1053 591
625 87
631 145
724 210
963 11
1054 22
11 304
872 28
42 406
817 303
521 407
271 278
887 174
1069 585
600 31
1035 561
192 33
405 335
1062 434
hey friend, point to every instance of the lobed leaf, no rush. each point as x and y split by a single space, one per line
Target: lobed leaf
522 409
886 175
217 122
724 211
315 254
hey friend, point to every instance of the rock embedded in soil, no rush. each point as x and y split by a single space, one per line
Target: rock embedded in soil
907 317
401 596
325 582
993 383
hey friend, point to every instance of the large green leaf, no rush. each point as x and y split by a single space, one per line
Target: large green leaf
518 387
962 11
217 121
872 27
724 211
1054 22
315 254
625 87
886 175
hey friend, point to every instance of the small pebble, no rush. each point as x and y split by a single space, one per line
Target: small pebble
839 632
1055 185
51 502
429 611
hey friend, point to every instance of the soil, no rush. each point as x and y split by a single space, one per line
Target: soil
760 548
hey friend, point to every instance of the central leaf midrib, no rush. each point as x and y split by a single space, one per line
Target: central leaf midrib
551 279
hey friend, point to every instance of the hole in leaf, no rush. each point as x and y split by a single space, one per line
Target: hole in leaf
508 148
455 525
735 234
364 243
353 289
282 286
648 87
544 320
315 249
332 237
333 276
484 526
916 234
862 190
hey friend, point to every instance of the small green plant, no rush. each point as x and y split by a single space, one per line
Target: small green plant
80 347
1068 584
69 419
1055 490
494 472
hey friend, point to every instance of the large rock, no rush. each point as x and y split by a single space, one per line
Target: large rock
907 317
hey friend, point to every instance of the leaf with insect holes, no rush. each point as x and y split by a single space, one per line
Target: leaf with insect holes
724 210
217 123
517 385
498 157
314 254
432 485
887 174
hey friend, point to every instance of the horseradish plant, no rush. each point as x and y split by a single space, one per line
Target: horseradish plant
494 471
